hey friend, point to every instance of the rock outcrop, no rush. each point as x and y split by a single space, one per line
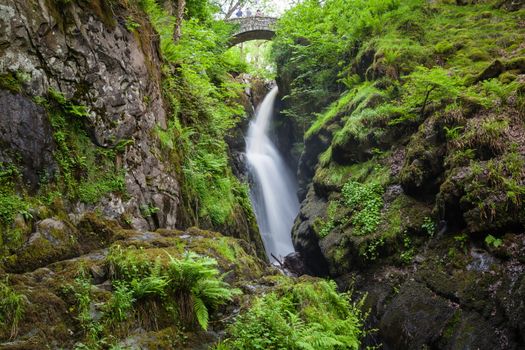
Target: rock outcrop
87 55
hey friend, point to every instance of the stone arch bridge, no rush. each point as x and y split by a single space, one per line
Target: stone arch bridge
252 28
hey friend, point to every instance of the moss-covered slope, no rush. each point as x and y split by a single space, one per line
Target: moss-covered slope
413 160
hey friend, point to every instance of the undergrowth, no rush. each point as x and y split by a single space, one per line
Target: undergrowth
305 315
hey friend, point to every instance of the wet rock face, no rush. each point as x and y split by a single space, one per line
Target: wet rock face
95 61
305 239
414 318
25 133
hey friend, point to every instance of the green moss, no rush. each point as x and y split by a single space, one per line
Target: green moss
332 111
332 176
404 213
13 81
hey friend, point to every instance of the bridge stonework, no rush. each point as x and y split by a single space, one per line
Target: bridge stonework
252 28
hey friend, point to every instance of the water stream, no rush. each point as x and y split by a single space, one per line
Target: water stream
274 188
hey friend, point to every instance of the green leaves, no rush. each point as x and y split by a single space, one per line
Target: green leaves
425 86
192 282
201 312
492 241
366 202
306 315
197 279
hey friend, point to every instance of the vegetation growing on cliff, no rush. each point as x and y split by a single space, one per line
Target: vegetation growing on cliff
303 315
389 71
411 112
202 94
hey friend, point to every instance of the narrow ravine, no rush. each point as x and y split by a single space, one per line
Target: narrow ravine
273 190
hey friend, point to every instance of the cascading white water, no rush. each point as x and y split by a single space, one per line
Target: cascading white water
273 194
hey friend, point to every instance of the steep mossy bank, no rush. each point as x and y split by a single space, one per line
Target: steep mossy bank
412 170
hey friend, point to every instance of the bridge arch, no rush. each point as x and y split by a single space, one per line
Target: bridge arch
252 28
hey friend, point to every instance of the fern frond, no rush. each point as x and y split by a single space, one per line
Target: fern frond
201 312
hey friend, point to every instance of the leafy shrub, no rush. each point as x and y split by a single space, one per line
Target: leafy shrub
192 282
121 302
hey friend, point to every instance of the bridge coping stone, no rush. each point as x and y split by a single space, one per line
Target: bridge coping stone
253 23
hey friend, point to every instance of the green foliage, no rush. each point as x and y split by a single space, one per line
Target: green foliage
121 302
13 81
201 94
407 254
254 58
81 290
195 279
371 251
329 223
492 241
131 25
12 205
318 43
12 307
91 192
462 241
425 86
124 264
192 282
87 172
325 50
429 226
452 133
148 210
366 203
306 315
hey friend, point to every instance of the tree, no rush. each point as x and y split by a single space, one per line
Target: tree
227 8
179 15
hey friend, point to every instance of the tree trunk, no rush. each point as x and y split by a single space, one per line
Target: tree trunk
181 6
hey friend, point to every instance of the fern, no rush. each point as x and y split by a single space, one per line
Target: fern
195 279
151 285
307 315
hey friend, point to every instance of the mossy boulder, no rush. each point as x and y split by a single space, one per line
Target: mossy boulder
52 241
423 168
415 317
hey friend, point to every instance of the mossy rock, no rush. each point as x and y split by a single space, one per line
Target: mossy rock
422 172
415 317
404 214
53 240
97 232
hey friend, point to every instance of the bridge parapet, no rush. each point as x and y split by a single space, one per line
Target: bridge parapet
252 28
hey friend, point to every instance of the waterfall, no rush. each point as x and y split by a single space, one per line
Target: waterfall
273 193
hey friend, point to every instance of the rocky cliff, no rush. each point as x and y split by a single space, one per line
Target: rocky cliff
81 64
